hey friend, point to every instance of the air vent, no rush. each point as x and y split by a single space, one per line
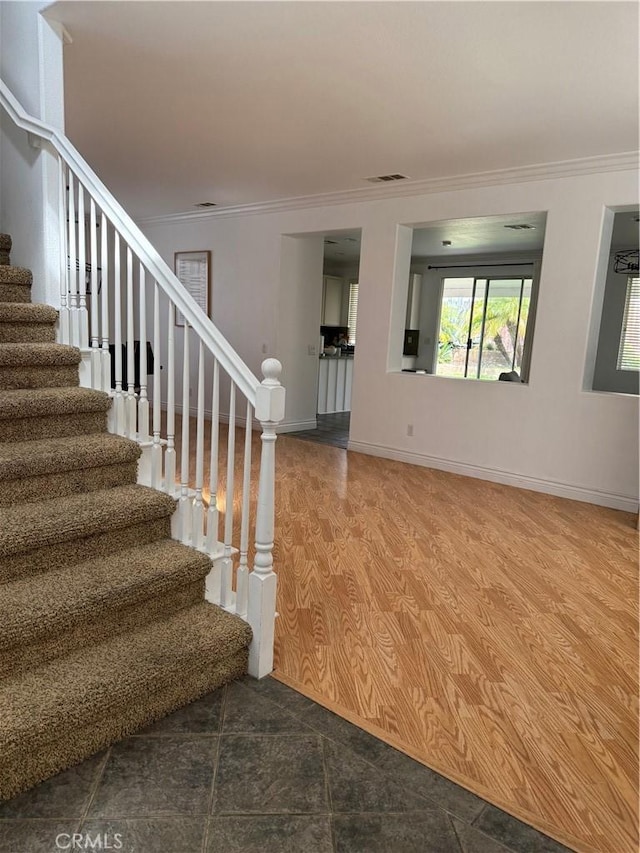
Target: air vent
521 226
205 204
382 179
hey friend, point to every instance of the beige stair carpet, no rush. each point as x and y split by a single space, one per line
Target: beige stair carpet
97 602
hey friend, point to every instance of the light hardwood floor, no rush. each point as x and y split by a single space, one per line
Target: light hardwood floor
487 631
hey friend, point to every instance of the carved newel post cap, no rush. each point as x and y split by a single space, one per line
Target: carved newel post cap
271 370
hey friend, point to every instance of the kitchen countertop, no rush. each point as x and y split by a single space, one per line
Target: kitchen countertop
349 356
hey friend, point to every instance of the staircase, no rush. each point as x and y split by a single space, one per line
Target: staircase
103 623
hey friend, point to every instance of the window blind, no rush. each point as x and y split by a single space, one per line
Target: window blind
352 317
629 352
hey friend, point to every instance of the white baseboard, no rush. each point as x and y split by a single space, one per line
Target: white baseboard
296 426
286 426
520 481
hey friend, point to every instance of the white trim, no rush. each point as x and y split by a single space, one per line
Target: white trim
296 426
624 161
507 478
223 417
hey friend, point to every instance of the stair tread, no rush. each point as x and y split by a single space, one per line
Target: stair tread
38 355
51 603
10 274
56 455
69 693
33 402
26 527
27 312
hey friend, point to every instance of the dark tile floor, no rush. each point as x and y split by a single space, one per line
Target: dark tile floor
257 767
332 429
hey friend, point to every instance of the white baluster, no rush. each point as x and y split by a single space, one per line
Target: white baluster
74 325
242 588
227 561
156 450
118 408
83 319
262 580
181 523
197 520
143 401
130 399
105 355
213 586
170 453
65 334
96 374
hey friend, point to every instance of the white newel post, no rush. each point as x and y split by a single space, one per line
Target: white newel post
261 611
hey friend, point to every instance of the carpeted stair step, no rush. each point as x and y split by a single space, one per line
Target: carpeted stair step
5 249
26 365
38 413
54 534
15 283
56 467
55 613
27 323
58 714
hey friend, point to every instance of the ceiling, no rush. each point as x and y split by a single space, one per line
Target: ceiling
175 103
474 236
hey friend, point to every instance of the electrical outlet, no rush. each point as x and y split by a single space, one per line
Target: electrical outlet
312 350
410 430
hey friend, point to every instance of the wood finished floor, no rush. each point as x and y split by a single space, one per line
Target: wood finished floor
489 632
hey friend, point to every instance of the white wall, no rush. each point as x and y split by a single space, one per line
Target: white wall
298 329
550 434
31 65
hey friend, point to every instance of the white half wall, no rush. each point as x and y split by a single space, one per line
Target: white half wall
550 434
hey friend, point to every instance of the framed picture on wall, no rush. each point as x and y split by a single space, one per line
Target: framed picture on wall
194 271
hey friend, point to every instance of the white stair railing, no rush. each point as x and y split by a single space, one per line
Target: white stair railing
118 304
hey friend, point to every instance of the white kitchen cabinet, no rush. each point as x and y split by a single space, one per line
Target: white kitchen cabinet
335 378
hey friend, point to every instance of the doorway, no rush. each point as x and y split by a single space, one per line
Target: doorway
337 336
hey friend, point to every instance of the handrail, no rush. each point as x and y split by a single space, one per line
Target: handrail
202 325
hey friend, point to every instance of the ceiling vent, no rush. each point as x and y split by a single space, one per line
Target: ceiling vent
383 179
521 226
205 204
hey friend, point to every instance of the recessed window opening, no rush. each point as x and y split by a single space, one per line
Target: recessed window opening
471 297
629 351
482 329
617 357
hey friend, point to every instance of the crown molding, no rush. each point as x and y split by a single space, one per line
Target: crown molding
625 161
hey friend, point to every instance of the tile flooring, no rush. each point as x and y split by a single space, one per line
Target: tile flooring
257 767
332 429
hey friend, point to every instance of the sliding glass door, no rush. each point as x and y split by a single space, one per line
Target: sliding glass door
483 324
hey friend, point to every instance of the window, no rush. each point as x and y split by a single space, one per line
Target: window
483 324
352 316
629 351
614 357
